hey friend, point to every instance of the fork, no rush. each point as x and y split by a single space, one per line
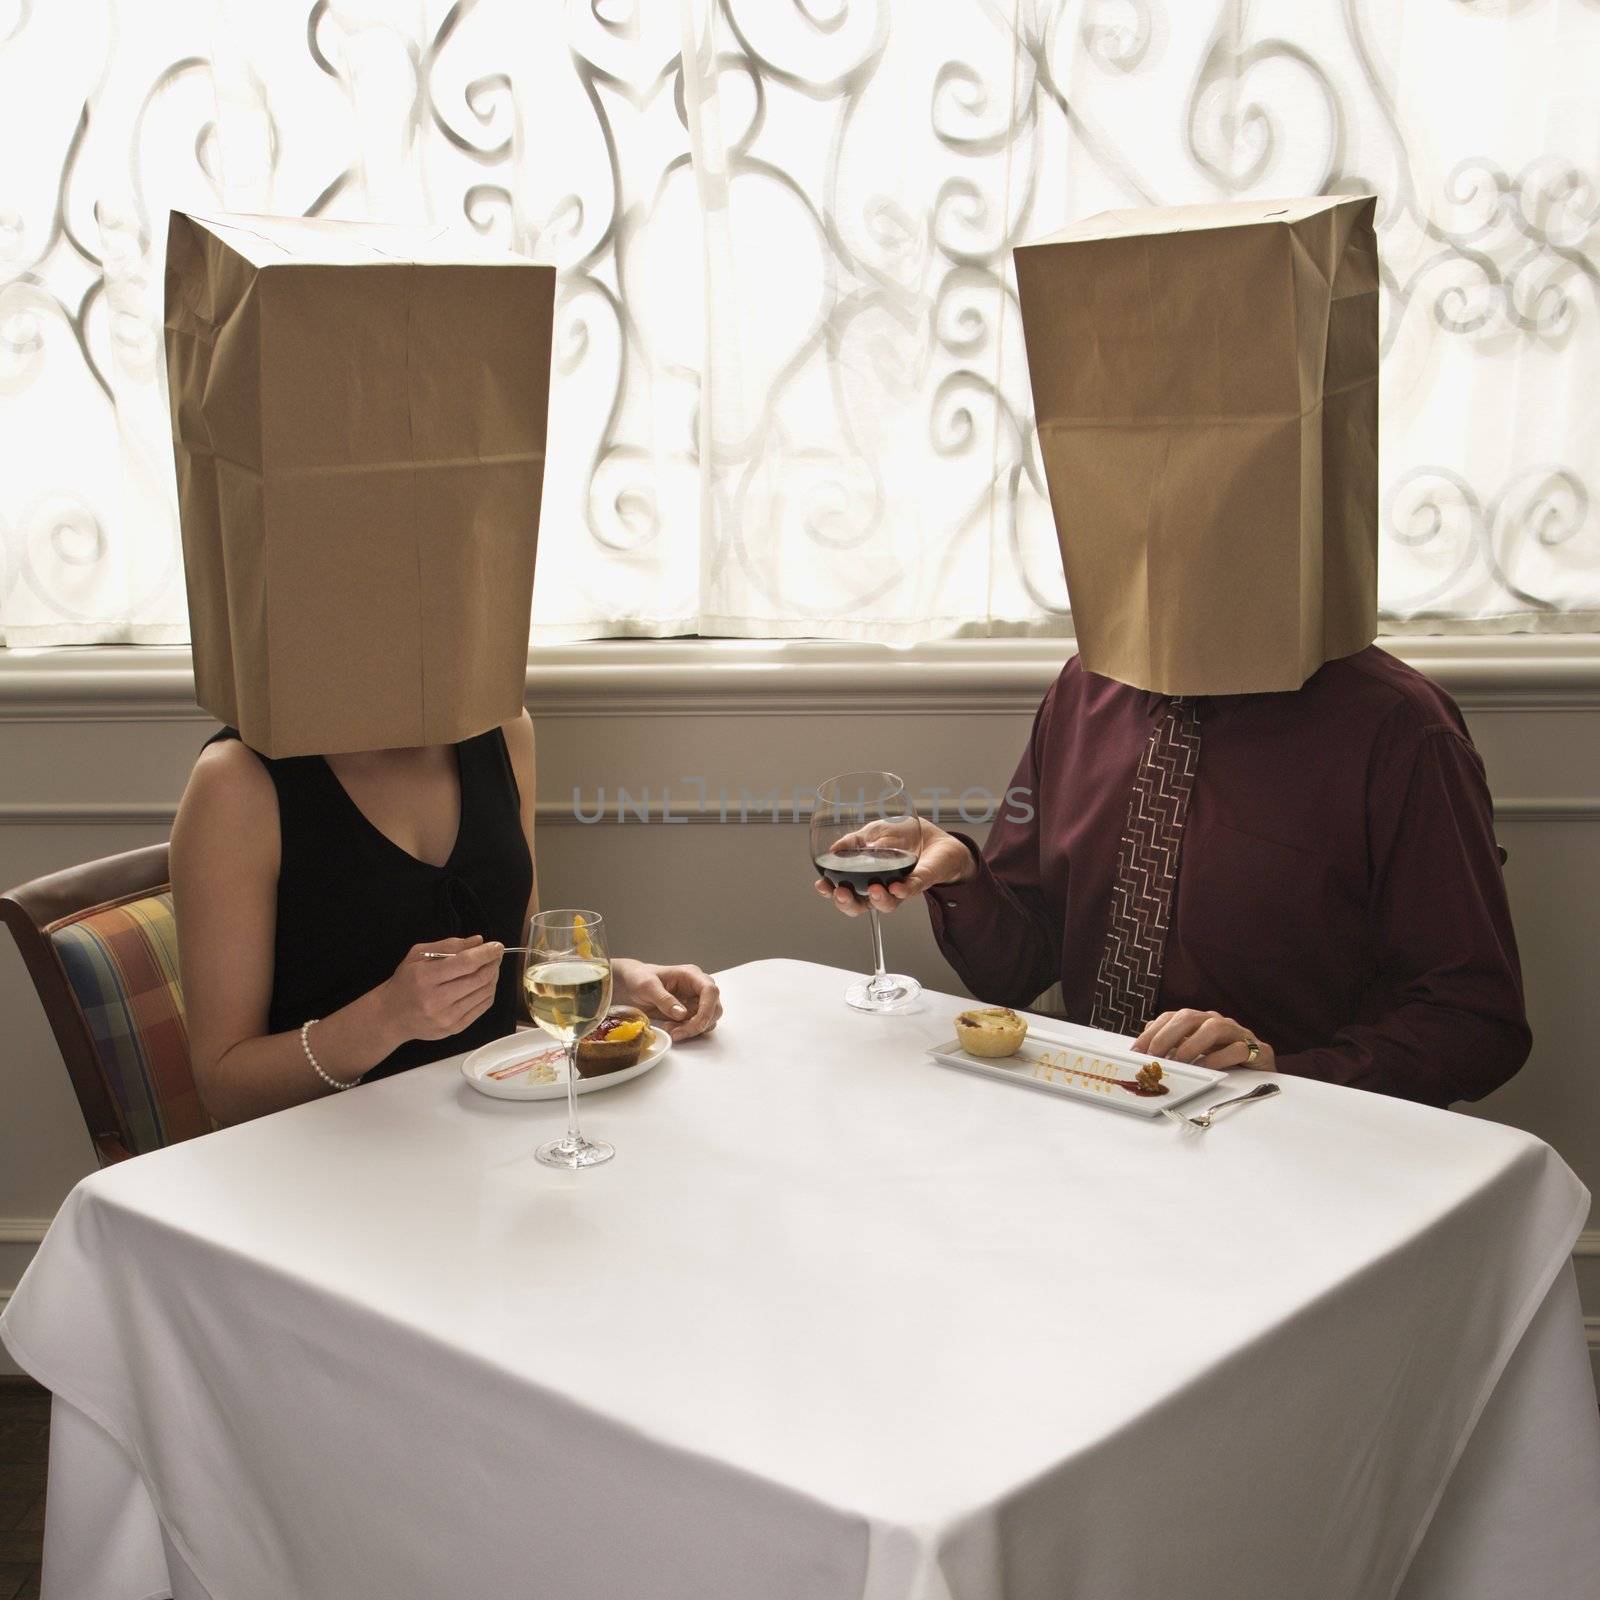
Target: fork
1262 1091
444 955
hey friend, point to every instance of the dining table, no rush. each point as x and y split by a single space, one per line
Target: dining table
837 1323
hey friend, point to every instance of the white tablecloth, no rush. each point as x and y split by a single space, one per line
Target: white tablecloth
837 1322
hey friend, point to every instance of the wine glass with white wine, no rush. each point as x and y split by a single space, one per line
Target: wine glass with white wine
864 830
568 983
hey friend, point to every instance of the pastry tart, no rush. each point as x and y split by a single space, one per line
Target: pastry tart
616 1042
991 1031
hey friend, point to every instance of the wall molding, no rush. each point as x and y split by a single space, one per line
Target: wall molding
87 813
23 1235
739 677
678 810
1587 1247
1576 808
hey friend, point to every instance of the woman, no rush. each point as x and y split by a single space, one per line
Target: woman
315 898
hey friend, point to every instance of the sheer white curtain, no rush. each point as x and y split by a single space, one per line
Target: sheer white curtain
789 392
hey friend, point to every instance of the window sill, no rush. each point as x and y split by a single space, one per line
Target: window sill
756 677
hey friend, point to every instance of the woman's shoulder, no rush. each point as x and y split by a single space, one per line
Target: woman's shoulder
512 745
229 765
229 793
518 737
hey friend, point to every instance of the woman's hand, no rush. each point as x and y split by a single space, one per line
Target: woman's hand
430 998
1205 1037
683 999
941 859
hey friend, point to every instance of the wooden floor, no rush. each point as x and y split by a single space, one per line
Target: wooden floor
24 1440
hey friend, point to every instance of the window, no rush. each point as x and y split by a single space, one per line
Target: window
789 389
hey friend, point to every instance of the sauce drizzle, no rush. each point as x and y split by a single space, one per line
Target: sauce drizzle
1132 1085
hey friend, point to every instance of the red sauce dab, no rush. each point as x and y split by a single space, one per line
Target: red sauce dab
1139 1089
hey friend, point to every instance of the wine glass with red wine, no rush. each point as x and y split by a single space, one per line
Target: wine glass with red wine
864 830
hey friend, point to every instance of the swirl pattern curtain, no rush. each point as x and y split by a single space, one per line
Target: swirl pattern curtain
790 396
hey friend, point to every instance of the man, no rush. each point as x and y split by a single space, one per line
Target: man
1339 903
1251 838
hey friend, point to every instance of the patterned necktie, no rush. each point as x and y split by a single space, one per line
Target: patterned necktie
1129 979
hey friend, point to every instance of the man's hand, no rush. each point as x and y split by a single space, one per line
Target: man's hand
941 859
1206 1038
683 999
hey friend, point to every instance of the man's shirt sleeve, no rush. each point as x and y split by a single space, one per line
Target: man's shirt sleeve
996 930
1444 1019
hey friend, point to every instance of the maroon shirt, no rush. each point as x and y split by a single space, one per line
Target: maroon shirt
1339 889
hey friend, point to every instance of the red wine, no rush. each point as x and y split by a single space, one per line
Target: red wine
864 867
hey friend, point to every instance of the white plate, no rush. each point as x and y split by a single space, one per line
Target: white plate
1046 1060
542 1053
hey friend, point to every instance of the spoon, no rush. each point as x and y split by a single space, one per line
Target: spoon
1262 1091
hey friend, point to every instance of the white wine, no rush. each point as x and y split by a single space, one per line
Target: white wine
569 995
568 984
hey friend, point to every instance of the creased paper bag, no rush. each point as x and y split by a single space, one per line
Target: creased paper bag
359 423
1205 383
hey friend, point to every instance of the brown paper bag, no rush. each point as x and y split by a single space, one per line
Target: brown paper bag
359 421
1205 383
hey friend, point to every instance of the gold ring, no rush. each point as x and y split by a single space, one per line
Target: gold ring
1252 1051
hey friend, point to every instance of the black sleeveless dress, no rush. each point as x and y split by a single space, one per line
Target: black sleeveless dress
351 902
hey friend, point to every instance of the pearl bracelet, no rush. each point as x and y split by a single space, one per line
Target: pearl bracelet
316 1066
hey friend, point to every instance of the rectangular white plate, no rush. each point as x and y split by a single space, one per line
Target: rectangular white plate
1046 1060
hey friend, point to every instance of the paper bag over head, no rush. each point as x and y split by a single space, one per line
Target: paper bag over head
358 414
1205 380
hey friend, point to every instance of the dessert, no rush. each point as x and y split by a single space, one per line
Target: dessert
617 1041
1148 1079
991 1031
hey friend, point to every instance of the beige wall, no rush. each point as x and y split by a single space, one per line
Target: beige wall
95 745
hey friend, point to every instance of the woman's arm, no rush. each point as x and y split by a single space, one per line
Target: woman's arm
519 746
225 861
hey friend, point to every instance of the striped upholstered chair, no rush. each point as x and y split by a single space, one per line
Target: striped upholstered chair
101 947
